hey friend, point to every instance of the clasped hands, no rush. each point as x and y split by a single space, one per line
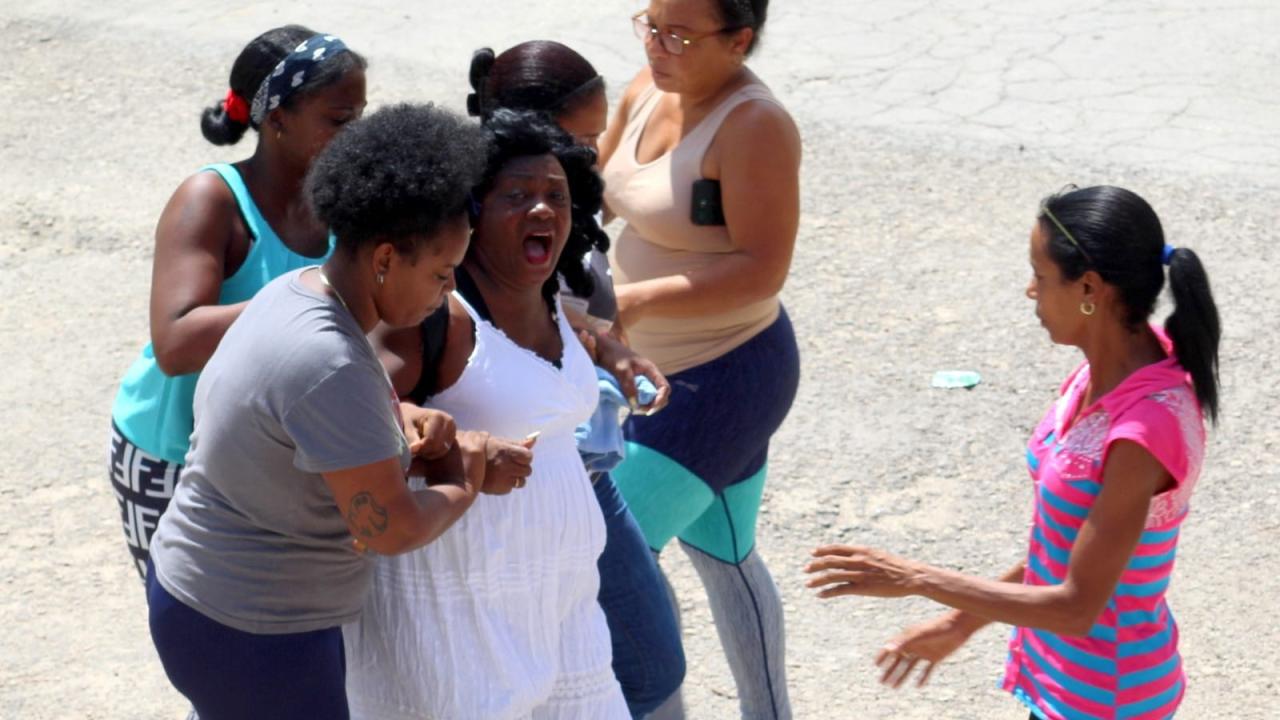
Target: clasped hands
442 453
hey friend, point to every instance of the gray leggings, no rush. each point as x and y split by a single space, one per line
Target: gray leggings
747 610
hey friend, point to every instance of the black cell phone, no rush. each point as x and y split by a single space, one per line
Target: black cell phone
707 209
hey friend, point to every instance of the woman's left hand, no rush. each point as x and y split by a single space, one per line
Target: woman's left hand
857 570
625 364
931 642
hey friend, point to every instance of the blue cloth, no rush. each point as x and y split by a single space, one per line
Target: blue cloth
648 658
152 409
228 674
600 440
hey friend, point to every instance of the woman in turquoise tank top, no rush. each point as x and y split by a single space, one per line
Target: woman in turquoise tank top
227 231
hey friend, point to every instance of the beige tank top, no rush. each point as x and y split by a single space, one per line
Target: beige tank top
660 239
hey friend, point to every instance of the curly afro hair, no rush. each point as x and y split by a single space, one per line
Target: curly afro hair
516 133
398 175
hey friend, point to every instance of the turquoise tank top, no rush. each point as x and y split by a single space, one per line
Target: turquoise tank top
152 409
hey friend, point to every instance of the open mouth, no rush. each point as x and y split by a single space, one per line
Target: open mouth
537 248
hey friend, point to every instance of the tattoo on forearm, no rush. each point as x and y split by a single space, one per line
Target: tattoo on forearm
366 516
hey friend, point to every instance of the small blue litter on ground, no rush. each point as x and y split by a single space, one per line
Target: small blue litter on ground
951 379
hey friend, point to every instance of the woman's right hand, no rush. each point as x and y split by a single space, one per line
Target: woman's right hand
929 642
502 465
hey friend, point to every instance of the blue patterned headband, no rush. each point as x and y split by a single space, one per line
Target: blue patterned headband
291 73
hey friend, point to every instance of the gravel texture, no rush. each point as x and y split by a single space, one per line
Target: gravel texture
931 131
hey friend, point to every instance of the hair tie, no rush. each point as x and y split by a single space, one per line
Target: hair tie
291 73
1167 256
573 95
235 108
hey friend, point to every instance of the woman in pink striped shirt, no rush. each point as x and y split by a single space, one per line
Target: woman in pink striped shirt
1114 462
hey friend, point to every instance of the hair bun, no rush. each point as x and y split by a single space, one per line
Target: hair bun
218 128
481 64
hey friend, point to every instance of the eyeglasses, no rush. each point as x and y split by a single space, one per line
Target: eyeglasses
671 42
1044 210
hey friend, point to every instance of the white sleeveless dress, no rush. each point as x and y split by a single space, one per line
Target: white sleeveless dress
498 618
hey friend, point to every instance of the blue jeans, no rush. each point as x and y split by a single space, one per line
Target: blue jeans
648 658
229 674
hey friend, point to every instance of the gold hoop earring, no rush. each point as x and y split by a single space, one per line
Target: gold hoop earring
1087 308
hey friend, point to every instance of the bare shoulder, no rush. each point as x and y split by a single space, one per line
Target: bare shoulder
638 84
460 339
205 190
761 124
201 213
458 344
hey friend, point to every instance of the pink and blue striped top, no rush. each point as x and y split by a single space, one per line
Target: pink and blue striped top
1128 666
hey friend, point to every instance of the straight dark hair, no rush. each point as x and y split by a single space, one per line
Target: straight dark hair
540 75
738 14
1118 235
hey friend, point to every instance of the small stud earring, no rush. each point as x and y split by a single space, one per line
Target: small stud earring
381 277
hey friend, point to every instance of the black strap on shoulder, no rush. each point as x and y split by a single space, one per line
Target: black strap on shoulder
434 331
470 292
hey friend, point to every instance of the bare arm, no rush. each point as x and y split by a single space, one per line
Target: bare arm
385 516
1100 554
612 137
932 641
970 623
760 193
192 239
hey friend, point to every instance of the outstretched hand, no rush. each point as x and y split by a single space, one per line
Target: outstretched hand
929 642
857 570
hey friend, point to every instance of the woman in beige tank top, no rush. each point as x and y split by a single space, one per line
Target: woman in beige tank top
697 293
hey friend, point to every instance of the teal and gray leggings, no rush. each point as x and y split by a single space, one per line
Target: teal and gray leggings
696 472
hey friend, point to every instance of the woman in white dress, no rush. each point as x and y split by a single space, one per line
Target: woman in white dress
498 619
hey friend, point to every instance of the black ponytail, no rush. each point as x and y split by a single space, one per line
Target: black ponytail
253 63
220 129
1117 234
1194 326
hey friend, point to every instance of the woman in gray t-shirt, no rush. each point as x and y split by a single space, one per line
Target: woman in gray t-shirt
300 450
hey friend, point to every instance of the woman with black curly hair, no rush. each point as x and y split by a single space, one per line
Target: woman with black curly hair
499 617
648 657
300 453
228 230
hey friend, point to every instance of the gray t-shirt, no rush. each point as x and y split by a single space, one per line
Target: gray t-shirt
253 538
